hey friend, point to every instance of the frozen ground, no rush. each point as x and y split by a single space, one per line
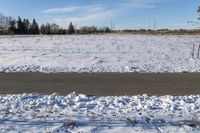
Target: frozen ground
79 113
102 53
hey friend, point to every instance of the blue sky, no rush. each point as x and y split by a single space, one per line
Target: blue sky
123 13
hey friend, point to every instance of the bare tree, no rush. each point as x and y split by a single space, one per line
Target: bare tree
4 21
198 9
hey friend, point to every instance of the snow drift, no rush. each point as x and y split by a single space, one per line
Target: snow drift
81 113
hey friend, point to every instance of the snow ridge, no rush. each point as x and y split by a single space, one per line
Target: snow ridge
99 114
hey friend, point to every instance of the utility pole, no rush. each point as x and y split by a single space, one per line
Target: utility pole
75 26
149 24
111 25
193 51
155 24
198 52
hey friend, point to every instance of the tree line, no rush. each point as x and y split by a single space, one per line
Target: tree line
23 27
10 26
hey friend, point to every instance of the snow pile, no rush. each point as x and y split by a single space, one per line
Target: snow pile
80 113
99 53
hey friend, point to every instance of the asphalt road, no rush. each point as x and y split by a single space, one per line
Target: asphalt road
101 84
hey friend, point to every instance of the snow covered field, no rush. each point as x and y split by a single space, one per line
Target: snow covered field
76 112
102 53
98 53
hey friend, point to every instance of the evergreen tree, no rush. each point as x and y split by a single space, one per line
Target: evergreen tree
19 26
48 29
27 25
34 28
71 29
24 28
43 29
107 30
12 27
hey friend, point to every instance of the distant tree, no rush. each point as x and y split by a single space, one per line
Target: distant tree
42 29
88 30
34 28
51 29
27 26
5 21
107 30
19 26
55 28
1 21
104 30
12 27
71 29
24 29
48 29
198 11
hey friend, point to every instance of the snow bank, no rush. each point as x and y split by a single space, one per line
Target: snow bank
98 53
50 113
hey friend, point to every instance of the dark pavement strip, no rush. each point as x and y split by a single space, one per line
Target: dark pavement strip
101 84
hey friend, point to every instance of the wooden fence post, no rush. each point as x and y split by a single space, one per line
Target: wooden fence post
198 52
193 52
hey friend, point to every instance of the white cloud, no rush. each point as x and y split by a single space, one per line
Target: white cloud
89 19
70 9
138 4
60 10
94 14
82 15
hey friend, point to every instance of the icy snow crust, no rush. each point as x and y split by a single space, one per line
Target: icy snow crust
50 113
98 53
